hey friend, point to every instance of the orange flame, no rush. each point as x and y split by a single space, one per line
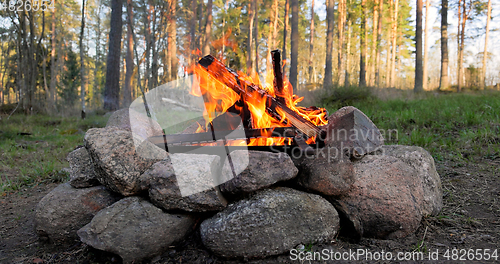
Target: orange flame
219 97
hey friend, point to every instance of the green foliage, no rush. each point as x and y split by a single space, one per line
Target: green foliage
71 80
40 154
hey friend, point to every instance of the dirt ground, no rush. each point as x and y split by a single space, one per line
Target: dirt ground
470 219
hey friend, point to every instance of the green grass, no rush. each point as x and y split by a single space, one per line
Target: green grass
41 156
450 126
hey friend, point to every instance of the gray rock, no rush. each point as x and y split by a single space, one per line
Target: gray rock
271 222
141 126
326 176
116 162
135 229
131 120
351 132
419 159
196 173
164 192
81 171
65 210
385 199
258 170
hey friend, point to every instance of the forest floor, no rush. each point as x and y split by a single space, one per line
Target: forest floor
462 133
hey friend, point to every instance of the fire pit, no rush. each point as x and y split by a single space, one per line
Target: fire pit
257 177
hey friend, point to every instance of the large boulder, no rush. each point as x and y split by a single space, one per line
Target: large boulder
141 126
164 191
385 199
326 176
420 160
131 120
271 222
66 209
257 170
82 173
352 133
116 160
135 229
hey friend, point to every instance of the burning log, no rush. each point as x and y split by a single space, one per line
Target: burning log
247 89
278 75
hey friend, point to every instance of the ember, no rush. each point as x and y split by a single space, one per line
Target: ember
259 107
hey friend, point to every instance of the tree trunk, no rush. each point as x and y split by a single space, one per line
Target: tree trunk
147 35
83 79
112 86
347 80
201 28
418 63
462 44
285 27
208 29
250 43
426 45
154 63
459 47
270 46
194 7
294 44
388 60
399 63
342 9
394 44
4 65
129 58
374 43
256 35
485 54
32 64
42 57
379 38
362 57
97 65
50 97
311 44
146 106
172 35
275 23
444 81
327 82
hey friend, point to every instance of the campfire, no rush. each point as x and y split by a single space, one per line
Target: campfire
268 113
238 191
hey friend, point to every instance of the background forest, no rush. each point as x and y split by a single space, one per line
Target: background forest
100 54
423 68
